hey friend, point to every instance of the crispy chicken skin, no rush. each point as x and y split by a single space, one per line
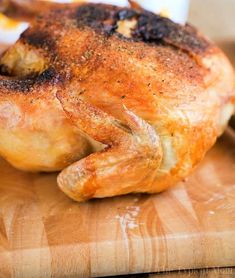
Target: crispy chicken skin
120 100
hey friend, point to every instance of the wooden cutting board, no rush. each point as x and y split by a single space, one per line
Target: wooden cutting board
43 233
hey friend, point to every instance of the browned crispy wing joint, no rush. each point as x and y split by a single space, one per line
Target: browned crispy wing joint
130 159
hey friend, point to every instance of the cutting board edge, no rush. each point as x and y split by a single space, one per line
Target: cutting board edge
96 269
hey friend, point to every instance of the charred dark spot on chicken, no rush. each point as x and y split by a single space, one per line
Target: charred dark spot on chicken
157 29
126 14
4 70
28 83
96 17
40 39
140 26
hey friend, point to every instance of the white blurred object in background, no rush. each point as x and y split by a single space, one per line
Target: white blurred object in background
177 10
10 30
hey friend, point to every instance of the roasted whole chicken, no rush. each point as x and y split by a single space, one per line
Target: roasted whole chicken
121 100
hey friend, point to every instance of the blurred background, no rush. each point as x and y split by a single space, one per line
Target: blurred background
216 19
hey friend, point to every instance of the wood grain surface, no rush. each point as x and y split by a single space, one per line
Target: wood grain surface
45 234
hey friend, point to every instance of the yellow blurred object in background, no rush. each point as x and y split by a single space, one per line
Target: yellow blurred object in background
10 29
7 23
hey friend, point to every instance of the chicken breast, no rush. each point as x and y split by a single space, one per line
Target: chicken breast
120 100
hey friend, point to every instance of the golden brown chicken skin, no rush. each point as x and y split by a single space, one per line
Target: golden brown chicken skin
120 100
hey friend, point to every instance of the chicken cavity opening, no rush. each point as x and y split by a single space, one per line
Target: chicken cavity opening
20 60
